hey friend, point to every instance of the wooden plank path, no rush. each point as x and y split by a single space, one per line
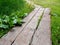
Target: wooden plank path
27 34
43 34
10 37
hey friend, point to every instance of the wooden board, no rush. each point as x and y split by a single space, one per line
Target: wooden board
5 42
43 34
11 36
25 36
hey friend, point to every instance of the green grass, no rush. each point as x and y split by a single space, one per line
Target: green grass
55 17
18 14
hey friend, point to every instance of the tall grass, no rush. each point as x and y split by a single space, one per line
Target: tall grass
9 6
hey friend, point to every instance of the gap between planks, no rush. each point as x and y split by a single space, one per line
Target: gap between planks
25 36
43 33
40 37
11 36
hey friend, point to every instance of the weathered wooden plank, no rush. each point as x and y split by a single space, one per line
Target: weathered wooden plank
3 42
11 36
42 35
25 36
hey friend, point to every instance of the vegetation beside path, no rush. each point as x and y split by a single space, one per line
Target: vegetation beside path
11 14
55 17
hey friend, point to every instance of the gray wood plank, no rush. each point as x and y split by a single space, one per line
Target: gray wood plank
3 42
43 34
25 36
11 35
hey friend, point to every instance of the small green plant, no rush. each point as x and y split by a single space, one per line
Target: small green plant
8 22
12 12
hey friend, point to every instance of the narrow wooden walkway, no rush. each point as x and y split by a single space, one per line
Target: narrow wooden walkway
35 30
